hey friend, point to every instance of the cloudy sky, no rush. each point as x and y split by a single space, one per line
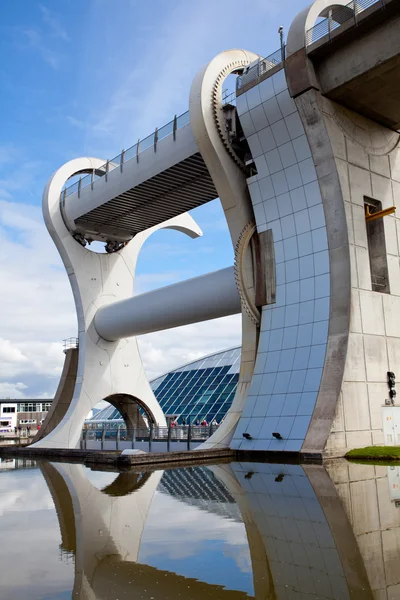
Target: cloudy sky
216 552
81 78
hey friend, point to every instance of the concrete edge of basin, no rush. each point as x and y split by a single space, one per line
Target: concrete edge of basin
113 458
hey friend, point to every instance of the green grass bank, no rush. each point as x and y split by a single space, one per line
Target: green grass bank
375 453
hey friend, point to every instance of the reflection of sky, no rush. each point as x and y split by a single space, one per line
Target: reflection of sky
183 539
178 537
99 479
30 564
191 542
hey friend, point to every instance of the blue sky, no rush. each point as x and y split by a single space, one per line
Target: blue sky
90 77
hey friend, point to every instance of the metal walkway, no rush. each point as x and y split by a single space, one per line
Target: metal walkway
154 180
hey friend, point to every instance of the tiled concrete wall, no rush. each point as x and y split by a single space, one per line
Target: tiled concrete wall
368 164
303 558
286 198
365 493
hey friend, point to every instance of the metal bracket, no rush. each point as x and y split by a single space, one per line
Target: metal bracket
155 139
107 169
373 216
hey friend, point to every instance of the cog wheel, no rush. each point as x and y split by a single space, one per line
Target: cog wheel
217 108
240 251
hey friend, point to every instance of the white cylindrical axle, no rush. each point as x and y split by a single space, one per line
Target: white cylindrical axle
200 299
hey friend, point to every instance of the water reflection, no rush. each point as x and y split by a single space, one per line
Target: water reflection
370 496
228 531
105 530
30 562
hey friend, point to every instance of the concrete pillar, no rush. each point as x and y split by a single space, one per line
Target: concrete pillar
199 299
64 394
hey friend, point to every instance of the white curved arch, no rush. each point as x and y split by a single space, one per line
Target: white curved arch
104 368
305 20
104 525
230 182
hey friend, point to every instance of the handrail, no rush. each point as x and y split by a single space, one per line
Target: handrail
126 155
337 17
158 431
262 66
117 431
134 151
70 344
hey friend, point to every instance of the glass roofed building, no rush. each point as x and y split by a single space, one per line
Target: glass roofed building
201 389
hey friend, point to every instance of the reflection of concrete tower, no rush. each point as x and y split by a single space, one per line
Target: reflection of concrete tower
298 532
371 499
299 536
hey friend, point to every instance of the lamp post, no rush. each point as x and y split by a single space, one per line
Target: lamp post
280 31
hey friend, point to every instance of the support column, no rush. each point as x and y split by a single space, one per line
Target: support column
104 368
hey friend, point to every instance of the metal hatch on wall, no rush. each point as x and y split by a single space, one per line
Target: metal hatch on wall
391 425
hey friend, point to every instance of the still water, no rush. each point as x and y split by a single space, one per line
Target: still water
244 530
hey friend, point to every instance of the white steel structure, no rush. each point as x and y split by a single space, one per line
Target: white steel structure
306 166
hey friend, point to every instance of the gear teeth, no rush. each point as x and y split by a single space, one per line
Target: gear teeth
240 247
217 109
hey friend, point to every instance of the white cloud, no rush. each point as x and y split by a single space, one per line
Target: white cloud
8 352
18 176
36 305
41 38
166 350
152 87
189 540
35 41
53 24
37 312
37 309
149 281
78 123
12 390
27 513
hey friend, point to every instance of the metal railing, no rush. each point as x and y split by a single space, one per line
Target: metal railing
337 17
117 431
379 283
228 98
70 344
259 68
134 151
130 154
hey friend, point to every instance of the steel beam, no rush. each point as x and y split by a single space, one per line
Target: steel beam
200 299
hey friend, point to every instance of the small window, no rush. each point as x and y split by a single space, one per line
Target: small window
377 248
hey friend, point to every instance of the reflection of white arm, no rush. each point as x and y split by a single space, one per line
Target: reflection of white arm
104 525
